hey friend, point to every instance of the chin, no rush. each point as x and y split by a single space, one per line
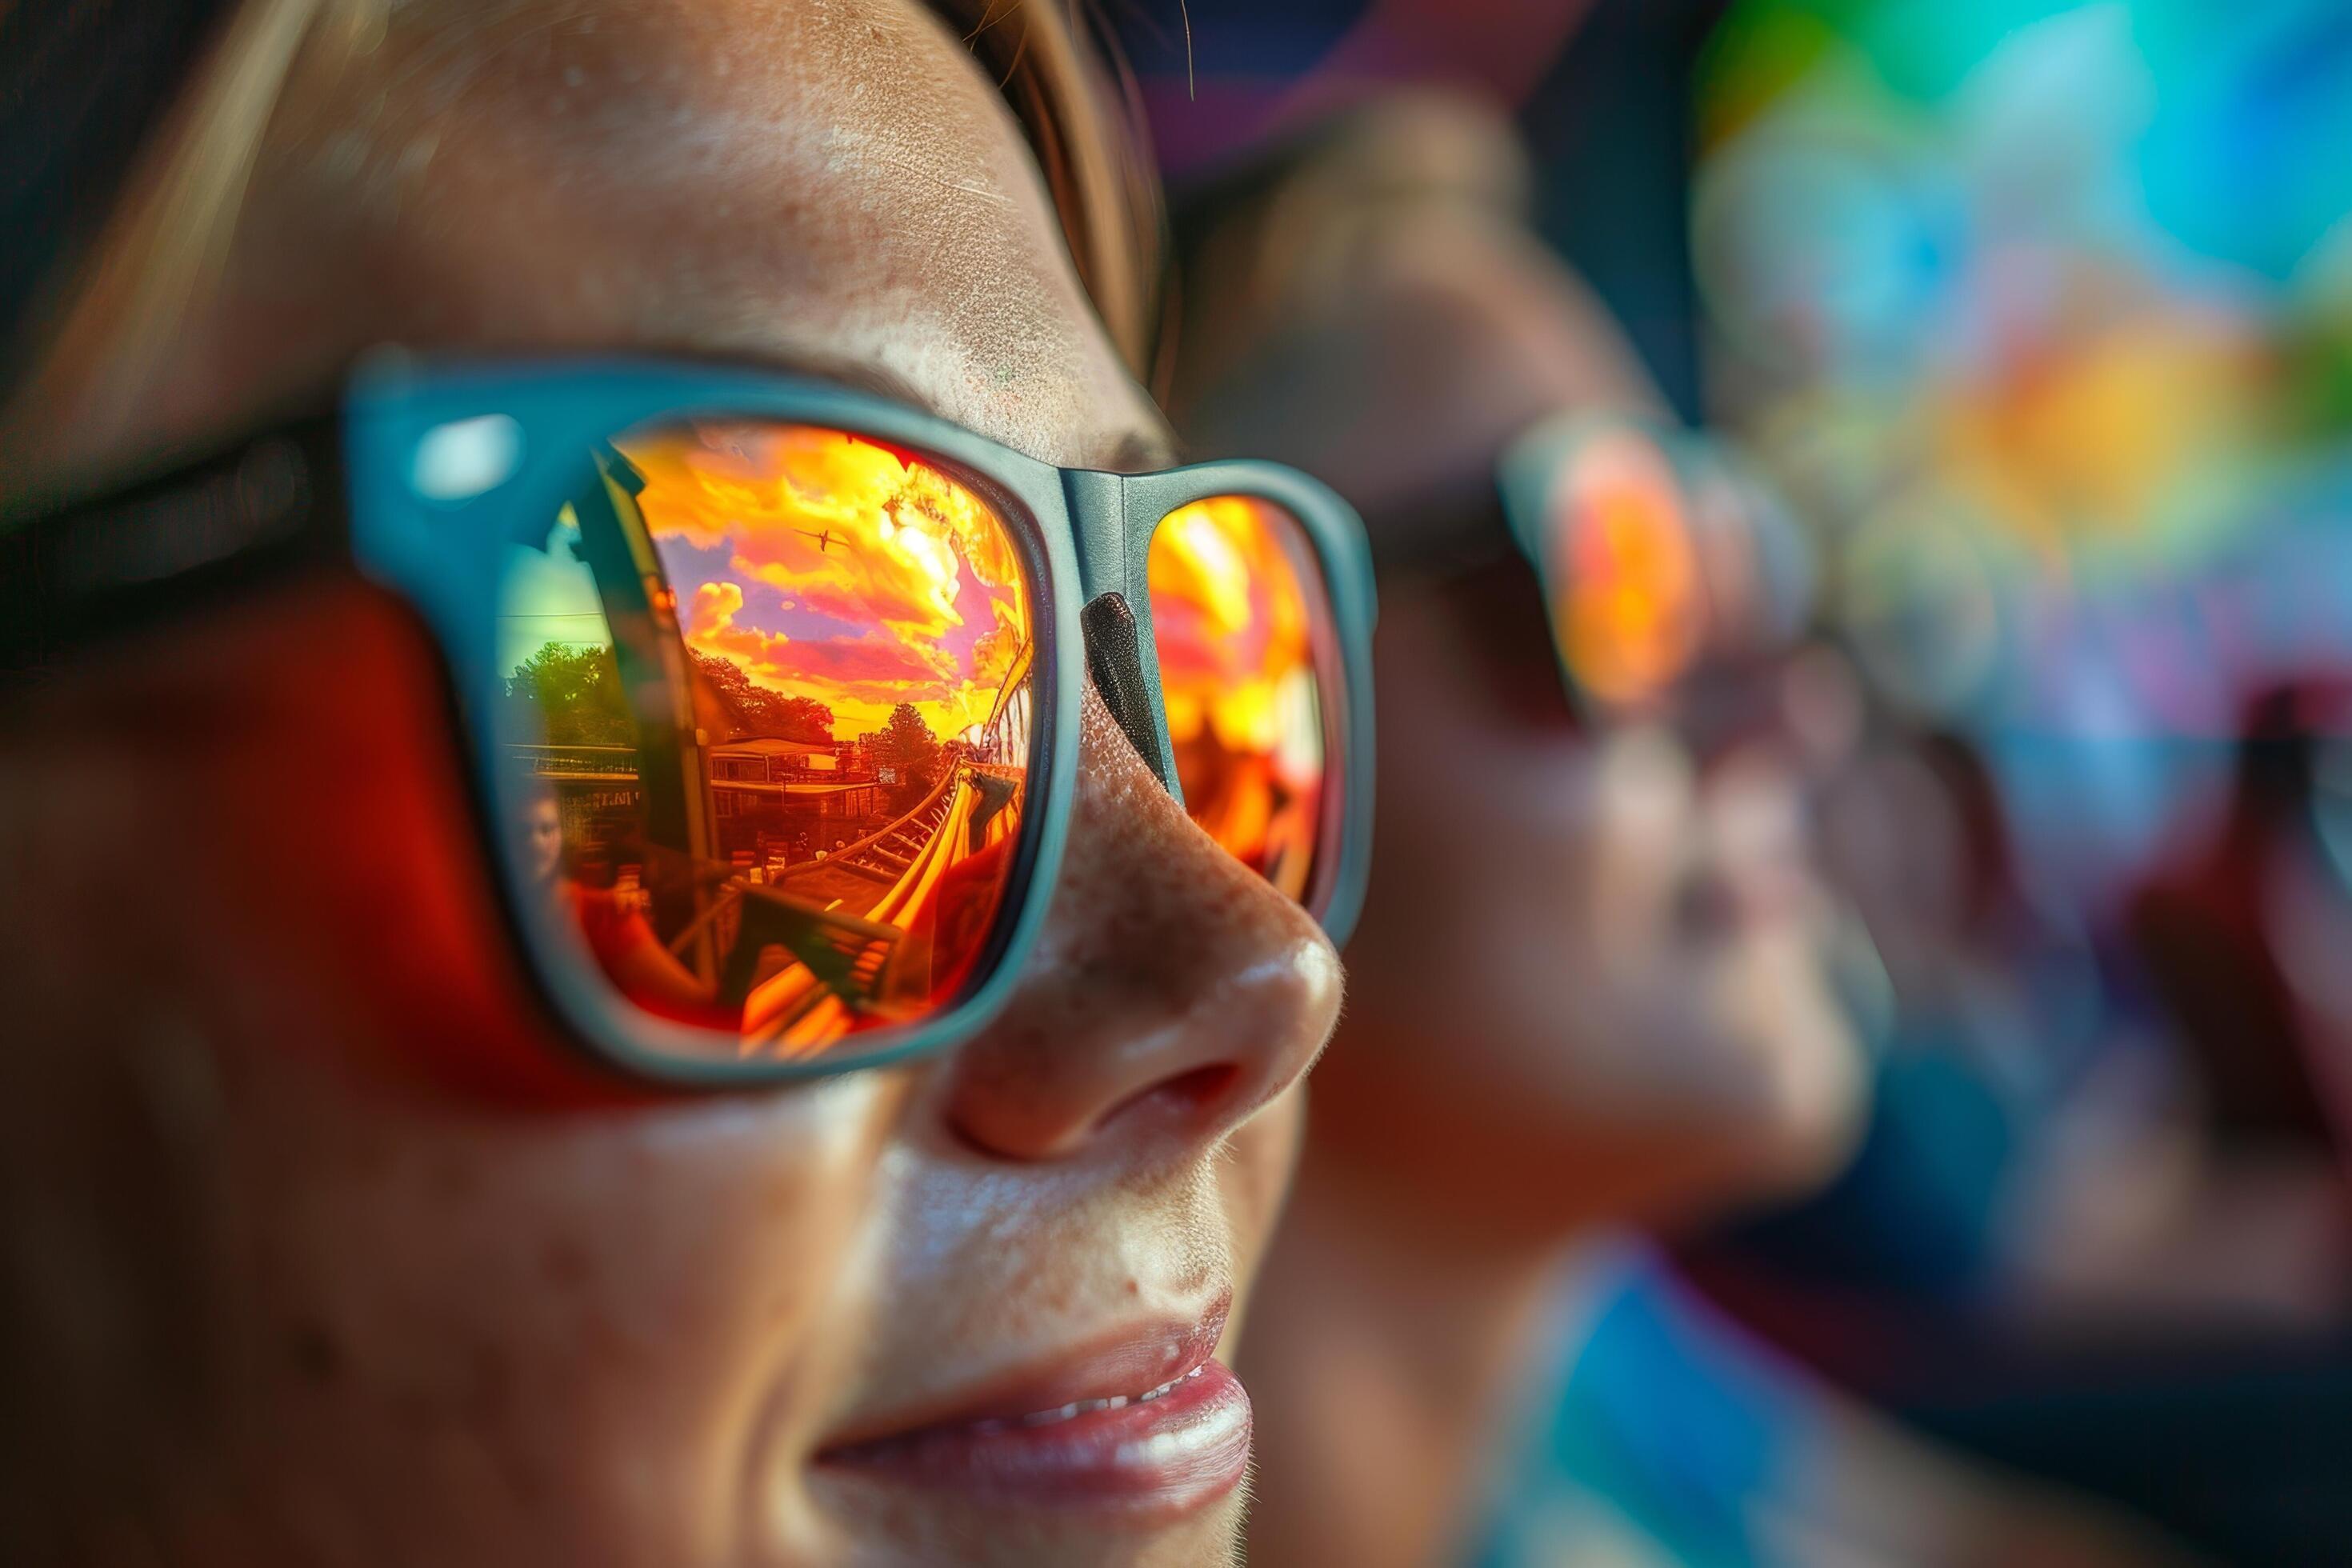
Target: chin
1703 1165
1770 1161
1819 1111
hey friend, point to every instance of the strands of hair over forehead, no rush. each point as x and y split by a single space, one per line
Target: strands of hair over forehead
170 230
1077 104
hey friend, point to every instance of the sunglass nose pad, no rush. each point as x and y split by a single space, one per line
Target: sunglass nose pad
1115 660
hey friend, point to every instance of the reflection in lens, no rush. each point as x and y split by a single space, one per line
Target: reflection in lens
768 730
1627 598
1240 627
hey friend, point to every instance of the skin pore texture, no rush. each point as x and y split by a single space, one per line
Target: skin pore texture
1589 986
279 1280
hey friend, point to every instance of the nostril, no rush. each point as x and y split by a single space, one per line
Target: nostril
1183 1097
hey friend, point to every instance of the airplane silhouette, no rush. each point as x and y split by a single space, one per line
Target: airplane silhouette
823 541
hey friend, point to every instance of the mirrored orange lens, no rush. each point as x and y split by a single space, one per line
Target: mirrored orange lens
1242 627
768 731
1623 571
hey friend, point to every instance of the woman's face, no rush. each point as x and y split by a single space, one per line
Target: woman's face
1586 983
283 1285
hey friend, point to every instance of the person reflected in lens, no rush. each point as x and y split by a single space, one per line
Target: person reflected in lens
609 921
1590 987
539 840
322 1240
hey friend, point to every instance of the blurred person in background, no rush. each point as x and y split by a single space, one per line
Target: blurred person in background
322 1237
1591 990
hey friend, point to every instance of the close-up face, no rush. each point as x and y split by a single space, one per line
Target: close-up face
302 1264
1588 970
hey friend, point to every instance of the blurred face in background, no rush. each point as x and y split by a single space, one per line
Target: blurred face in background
284 1282
1633 1005
1588 982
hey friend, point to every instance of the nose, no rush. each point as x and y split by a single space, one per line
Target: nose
1171 995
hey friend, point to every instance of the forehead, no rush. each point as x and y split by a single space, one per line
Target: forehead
822 186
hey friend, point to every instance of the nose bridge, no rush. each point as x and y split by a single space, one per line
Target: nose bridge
1115 614
1098 514
1173 991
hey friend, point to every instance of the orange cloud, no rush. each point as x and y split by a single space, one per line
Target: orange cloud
842 525
714 606
993 655
841 528
860 679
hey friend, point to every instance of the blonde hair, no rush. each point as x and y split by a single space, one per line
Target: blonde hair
169 237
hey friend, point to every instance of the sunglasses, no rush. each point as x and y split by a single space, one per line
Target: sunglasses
771 689
1661 555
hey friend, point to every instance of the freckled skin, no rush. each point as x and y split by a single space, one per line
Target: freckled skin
281 1284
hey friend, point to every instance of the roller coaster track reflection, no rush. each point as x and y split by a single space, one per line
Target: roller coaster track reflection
841 965
850 967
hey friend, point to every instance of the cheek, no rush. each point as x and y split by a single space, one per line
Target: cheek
1259 1162
1486 852
248 815
1255 1177
432 1301
260 829
614 1315
1462 768
351 907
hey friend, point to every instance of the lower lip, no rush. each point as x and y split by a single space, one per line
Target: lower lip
1160 1456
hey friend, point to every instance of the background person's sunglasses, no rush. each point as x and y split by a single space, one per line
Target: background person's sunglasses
1661 556
771 689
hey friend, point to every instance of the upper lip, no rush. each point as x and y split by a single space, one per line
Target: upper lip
1128 1361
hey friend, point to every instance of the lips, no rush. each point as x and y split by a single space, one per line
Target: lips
1145 1423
